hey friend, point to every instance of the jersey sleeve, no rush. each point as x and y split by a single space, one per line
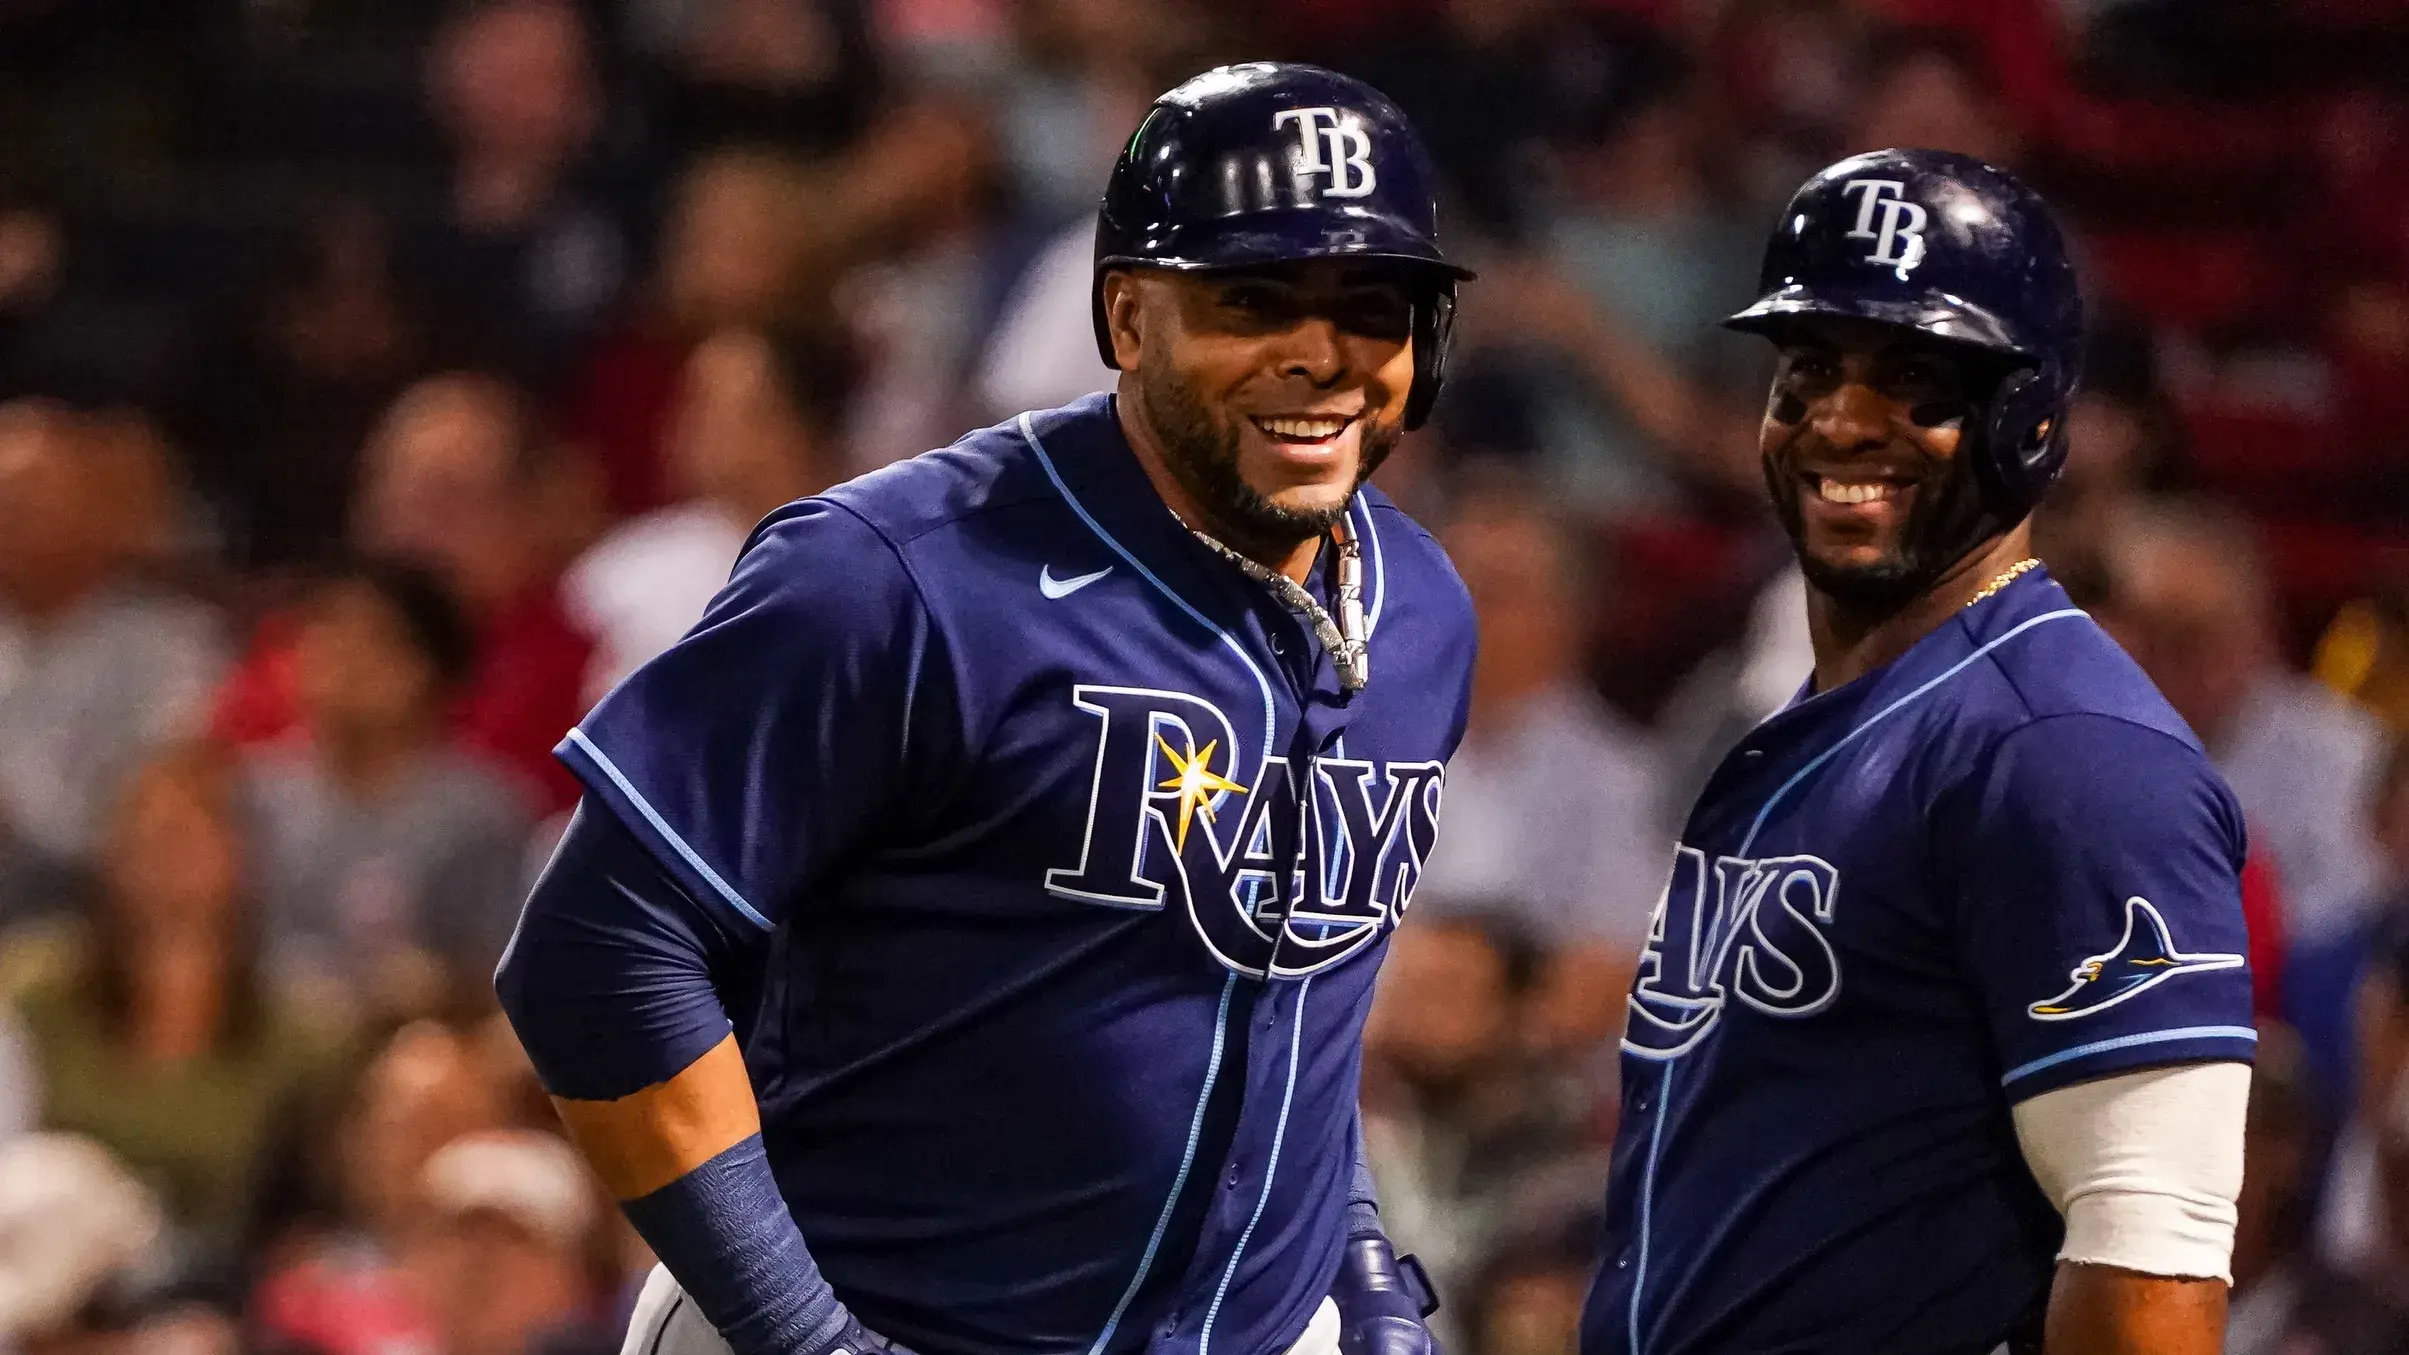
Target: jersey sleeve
787 729
2098 869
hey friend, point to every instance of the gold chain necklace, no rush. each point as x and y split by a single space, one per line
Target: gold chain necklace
2005 577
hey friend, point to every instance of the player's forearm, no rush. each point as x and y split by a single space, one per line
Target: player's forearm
2100 1310
609 984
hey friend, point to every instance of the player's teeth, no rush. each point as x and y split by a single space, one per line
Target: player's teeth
1837 491
1313 429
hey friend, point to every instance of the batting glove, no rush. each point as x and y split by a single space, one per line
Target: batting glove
1382 1298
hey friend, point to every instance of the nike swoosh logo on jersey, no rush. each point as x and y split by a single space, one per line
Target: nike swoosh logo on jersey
1063 588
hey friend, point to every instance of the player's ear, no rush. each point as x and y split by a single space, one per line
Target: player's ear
1121 297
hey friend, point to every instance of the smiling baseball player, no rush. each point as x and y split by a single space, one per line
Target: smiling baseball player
1941 1036
966 936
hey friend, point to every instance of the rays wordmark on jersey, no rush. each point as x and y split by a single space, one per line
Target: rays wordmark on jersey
1284 872
1740 927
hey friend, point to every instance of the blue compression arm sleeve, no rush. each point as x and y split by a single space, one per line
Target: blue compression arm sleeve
616 981
1363 1201
725 1234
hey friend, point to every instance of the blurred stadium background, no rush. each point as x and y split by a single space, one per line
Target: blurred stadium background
379 379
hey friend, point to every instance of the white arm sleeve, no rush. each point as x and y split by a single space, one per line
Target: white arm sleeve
2144 1165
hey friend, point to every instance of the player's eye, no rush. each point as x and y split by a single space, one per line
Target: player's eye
1257 302
1811 369
1924 378
1378 313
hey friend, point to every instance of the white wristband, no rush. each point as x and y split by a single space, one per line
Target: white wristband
2145 1166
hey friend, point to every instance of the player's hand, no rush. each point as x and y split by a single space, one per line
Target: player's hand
1382 1299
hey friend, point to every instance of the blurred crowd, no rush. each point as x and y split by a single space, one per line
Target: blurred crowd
379 382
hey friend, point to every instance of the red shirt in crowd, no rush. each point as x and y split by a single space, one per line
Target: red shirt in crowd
522 694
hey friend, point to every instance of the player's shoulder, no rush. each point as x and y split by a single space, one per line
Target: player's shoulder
2050 663
986 470
867 529
1411 560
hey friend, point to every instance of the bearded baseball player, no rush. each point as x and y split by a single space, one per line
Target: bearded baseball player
1941 1039
964 942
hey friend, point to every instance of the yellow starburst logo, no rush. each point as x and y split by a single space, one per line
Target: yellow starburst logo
1197 784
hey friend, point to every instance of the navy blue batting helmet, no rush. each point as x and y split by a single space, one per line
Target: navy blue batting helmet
1952 247
1274 162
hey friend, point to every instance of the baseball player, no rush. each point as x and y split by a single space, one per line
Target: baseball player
965 939
1941 1036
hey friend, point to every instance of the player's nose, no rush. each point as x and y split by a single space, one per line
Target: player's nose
1313 351
1852 417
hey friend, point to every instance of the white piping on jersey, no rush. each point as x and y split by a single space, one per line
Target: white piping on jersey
1028 434
1380 569
2062 614
2128 1042
668 834
1187 1163
1271 1170
1647 1198
1647 1185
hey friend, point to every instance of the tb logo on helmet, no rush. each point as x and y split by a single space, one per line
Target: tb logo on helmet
1350 149
1900 240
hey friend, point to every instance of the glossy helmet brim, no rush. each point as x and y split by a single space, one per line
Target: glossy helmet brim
1940 316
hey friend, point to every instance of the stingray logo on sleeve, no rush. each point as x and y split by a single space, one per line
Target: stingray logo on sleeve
2141 960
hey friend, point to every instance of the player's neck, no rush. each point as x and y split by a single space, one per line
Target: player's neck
1850 644
1293 558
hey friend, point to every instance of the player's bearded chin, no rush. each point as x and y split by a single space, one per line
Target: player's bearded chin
1946 522
1200 444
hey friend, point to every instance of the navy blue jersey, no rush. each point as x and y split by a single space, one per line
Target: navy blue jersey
1071 868
1995 866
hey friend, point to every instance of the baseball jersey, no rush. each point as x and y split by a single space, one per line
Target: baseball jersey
1997 865
1070 866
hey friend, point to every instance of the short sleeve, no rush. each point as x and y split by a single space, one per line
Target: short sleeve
785 728
2098 870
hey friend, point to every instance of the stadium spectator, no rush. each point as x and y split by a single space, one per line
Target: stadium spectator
1042 349
97 670
2284 1300
391 864
1551 801
802 75
2326 975
152 1025
76 1229
2189 599
462 479
1087 69
1932 88
1457 1111
343 1286
758 423
1646 237
520 260
740 248
506 1255
2362 1233
283 406
924 303
1529 1297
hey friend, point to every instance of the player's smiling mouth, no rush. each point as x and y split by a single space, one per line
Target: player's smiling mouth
1302 430
1856 490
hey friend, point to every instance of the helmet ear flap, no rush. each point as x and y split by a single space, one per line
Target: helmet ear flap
1434 325
1095 305
2024 443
